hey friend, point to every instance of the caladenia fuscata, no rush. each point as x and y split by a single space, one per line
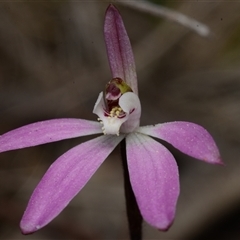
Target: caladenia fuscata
150 170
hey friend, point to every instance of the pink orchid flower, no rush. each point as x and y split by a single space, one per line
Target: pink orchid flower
152 168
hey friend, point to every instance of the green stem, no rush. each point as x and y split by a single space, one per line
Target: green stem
133 214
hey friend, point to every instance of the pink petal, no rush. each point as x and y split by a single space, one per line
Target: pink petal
47 131
64 179
119 50
189 138
154 178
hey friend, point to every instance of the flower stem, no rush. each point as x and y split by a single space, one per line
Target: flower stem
133 214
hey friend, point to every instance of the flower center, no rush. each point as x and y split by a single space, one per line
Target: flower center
114 90
116 112
118 107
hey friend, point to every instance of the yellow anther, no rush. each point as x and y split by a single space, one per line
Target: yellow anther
115 112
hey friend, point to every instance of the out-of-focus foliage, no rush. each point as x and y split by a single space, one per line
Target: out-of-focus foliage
53 64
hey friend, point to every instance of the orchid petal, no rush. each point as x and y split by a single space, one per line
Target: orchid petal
188 138
154 178
47 131
64 179
119 50
130 104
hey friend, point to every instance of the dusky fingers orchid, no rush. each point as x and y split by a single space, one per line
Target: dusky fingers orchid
152 169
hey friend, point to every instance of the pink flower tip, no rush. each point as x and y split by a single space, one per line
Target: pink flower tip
220 162
28 229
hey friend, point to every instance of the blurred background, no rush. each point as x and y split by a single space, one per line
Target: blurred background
53 64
